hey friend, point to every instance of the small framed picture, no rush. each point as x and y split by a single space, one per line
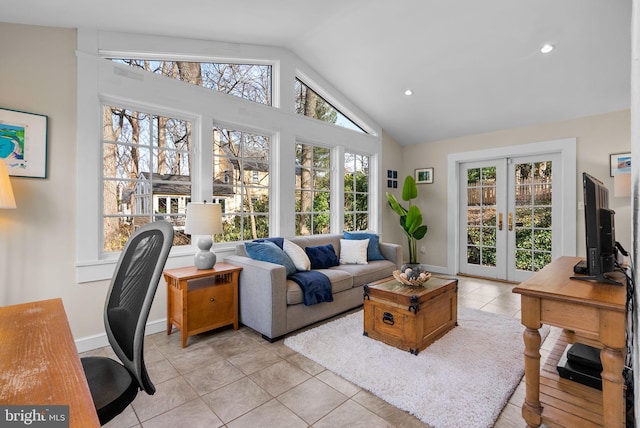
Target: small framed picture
389 173
389 183
395 184
23 143
620 163
424 175
395 175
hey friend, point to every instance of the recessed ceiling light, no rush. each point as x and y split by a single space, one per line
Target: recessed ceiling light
546 48
408 92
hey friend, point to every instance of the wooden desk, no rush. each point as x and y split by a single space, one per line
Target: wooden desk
590 312
39 363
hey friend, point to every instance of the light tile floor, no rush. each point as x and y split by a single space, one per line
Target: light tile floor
234 379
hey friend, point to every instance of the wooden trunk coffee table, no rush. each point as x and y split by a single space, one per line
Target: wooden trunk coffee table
410 318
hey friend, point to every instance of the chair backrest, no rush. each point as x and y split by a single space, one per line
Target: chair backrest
131 293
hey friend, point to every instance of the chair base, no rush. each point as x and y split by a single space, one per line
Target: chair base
112 387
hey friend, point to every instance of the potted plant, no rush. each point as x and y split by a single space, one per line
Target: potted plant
410 219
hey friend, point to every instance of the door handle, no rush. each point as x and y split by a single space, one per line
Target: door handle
500 221
510 221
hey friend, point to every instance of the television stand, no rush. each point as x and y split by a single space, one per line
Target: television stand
592 313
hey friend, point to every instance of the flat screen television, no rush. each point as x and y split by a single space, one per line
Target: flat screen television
600 236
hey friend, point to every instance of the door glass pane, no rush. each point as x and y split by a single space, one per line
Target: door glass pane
533 191
481 216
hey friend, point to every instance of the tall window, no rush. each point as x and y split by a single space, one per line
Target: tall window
313 190
356 192
310 104
146 166
248 81
241 183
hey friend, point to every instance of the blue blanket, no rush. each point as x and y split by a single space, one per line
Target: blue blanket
316 287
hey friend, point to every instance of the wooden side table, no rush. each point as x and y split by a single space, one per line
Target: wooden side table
201 300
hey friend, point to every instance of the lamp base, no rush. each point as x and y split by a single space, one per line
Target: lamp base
204 259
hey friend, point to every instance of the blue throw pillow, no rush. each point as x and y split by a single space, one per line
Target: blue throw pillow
269 252
373 249
278 241
322 257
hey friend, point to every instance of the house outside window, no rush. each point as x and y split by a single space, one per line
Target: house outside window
146 168
245 157
356 192
313 190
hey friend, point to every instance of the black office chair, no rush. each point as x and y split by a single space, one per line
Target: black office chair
113 385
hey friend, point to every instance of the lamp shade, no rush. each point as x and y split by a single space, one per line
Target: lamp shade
203 219
6 191
622 185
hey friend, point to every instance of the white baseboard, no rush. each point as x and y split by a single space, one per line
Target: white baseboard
100 340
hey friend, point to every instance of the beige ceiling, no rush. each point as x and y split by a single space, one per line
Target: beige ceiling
474 66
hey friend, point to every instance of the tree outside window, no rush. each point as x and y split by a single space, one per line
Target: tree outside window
356 192
146 168
313 190
310 104
241 169
248 81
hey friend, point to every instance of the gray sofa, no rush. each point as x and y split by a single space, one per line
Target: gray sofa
273 305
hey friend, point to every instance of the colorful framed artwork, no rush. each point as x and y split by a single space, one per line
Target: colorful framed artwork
424 175
620 163
23 143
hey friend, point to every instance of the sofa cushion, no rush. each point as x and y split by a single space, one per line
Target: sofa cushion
297 255
322 256
353 252
269 252
340 281
373 249
278 241
365 274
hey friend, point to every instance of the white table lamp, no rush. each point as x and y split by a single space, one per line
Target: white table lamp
203 219
6 191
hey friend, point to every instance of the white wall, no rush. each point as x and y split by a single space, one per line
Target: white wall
392 160
37 240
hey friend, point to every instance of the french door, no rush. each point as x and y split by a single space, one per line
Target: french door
508 209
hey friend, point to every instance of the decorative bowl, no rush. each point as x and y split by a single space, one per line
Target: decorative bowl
412 282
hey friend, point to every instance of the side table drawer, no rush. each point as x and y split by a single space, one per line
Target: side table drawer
210 307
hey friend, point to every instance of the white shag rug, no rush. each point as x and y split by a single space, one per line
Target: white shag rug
463 379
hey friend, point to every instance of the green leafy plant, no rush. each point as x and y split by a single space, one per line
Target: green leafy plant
411 218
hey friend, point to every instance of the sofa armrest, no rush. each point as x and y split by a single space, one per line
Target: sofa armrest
262 296
392 252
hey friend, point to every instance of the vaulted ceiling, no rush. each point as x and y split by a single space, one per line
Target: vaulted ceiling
473 66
